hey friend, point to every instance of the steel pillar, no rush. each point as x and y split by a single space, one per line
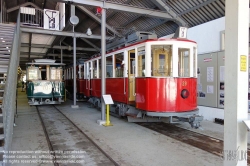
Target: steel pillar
61 52
74 59
1 13
236 82
103 51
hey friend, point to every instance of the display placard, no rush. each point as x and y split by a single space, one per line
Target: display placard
107 99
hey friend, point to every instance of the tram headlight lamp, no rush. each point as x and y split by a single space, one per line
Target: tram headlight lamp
184 93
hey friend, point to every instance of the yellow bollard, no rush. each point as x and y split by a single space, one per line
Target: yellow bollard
107 118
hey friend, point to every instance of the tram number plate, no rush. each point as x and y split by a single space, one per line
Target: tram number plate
184 83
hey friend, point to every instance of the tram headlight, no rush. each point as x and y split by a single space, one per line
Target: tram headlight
184 93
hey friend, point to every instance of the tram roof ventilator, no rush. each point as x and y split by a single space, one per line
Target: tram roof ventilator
132 38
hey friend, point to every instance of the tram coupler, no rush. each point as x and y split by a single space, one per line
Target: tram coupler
193 120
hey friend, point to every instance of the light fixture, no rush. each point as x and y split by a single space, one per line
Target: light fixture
1 38
7 47
70 48
3 41
89 32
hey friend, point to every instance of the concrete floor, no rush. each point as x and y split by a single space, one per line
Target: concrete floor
127 143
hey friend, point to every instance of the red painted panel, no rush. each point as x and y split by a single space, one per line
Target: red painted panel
86 87
80 86
164 94
96 87
115 87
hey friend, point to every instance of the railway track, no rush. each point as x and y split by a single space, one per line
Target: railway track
201 141
68 144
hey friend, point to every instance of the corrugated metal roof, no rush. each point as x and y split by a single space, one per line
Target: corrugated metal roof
193 12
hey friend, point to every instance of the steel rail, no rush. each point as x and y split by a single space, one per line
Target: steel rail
201 141
98 147
47 138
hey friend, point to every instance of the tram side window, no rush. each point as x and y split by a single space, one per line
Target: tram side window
141 63
81 71
161 60
119 65
100 68
95 69
109 67
85 71
183 62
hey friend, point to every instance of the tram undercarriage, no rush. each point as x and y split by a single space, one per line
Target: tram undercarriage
42 101
135 115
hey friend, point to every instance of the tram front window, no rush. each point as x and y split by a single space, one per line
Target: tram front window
141 62
183 62
33 73
161 60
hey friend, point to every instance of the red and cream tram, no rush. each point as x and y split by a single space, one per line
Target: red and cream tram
152 77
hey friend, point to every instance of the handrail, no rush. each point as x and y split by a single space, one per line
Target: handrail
10 94
134 94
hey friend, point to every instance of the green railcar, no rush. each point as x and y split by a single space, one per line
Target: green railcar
44 82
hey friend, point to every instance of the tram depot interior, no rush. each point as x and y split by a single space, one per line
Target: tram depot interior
154 96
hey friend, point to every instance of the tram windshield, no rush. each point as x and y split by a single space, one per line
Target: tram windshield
161 56
141 62
183 63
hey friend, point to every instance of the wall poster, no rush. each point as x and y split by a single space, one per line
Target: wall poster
210 74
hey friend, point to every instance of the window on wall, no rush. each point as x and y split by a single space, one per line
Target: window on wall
109 66
141 62
95 69
161 56
118 64
183 62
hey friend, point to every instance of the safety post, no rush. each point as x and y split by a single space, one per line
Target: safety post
107 100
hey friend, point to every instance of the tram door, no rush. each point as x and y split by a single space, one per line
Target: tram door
131 75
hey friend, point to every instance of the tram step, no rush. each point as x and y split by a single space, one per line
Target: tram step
1 124
1 90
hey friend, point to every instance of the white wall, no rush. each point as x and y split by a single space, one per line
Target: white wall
207 35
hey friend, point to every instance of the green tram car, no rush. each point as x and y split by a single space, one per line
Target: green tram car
44 82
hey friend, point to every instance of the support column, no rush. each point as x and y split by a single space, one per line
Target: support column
1 14
103 45
103 53
61 52
236 82
74 60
